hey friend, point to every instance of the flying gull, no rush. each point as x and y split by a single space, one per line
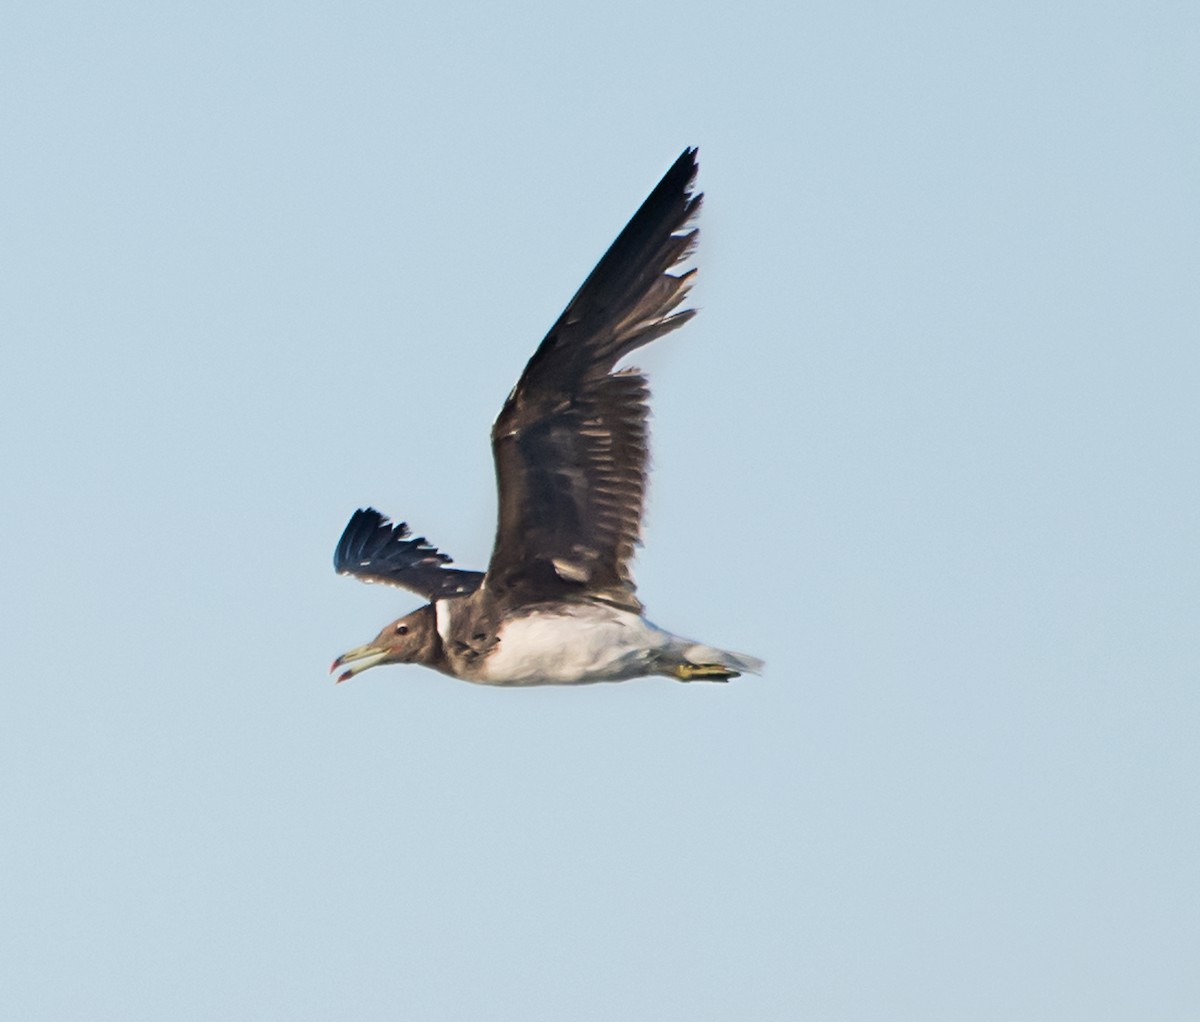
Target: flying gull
556 605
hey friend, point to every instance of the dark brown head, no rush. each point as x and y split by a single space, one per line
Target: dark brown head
412 639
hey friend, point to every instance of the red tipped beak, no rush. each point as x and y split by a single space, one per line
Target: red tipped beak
361 658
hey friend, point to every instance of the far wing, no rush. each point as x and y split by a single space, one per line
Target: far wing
374 550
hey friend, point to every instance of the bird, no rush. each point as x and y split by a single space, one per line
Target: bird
557 604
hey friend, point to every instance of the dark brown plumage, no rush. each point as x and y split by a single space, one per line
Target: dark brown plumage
570 442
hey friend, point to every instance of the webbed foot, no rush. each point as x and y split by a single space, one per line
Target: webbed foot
703 672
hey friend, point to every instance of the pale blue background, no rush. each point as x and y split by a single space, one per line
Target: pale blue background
930 449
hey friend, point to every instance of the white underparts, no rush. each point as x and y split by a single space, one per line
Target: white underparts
589 642
577 644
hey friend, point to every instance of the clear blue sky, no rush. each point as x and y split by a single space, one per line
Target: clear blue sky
930 449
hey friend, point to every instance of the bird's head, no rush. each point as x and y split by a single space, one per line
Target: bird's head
411 639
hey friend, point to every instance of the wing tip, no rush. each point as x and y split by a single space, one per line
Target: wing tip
367 532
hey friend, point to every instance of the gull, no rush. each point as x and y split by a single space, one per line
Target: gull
557 604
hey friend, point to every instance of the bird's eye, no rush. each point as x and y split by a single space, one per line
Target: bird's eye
401 629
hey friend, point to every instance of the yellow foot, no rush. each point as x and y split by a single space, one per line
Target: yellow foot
704 672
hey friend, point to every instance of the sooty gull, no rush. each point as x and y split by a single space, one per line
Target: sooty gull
557 604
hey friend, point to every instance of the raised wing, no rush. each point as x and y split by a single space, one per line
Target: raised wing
570 443
375 550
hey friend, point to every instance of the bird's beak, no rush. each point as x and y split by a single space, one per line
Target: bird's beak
362 658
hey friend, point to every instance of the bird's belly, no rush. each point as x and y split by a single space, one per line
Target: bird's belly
572 646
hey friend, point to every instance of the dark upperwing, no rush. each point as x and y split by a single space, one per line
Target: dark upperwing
570 443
